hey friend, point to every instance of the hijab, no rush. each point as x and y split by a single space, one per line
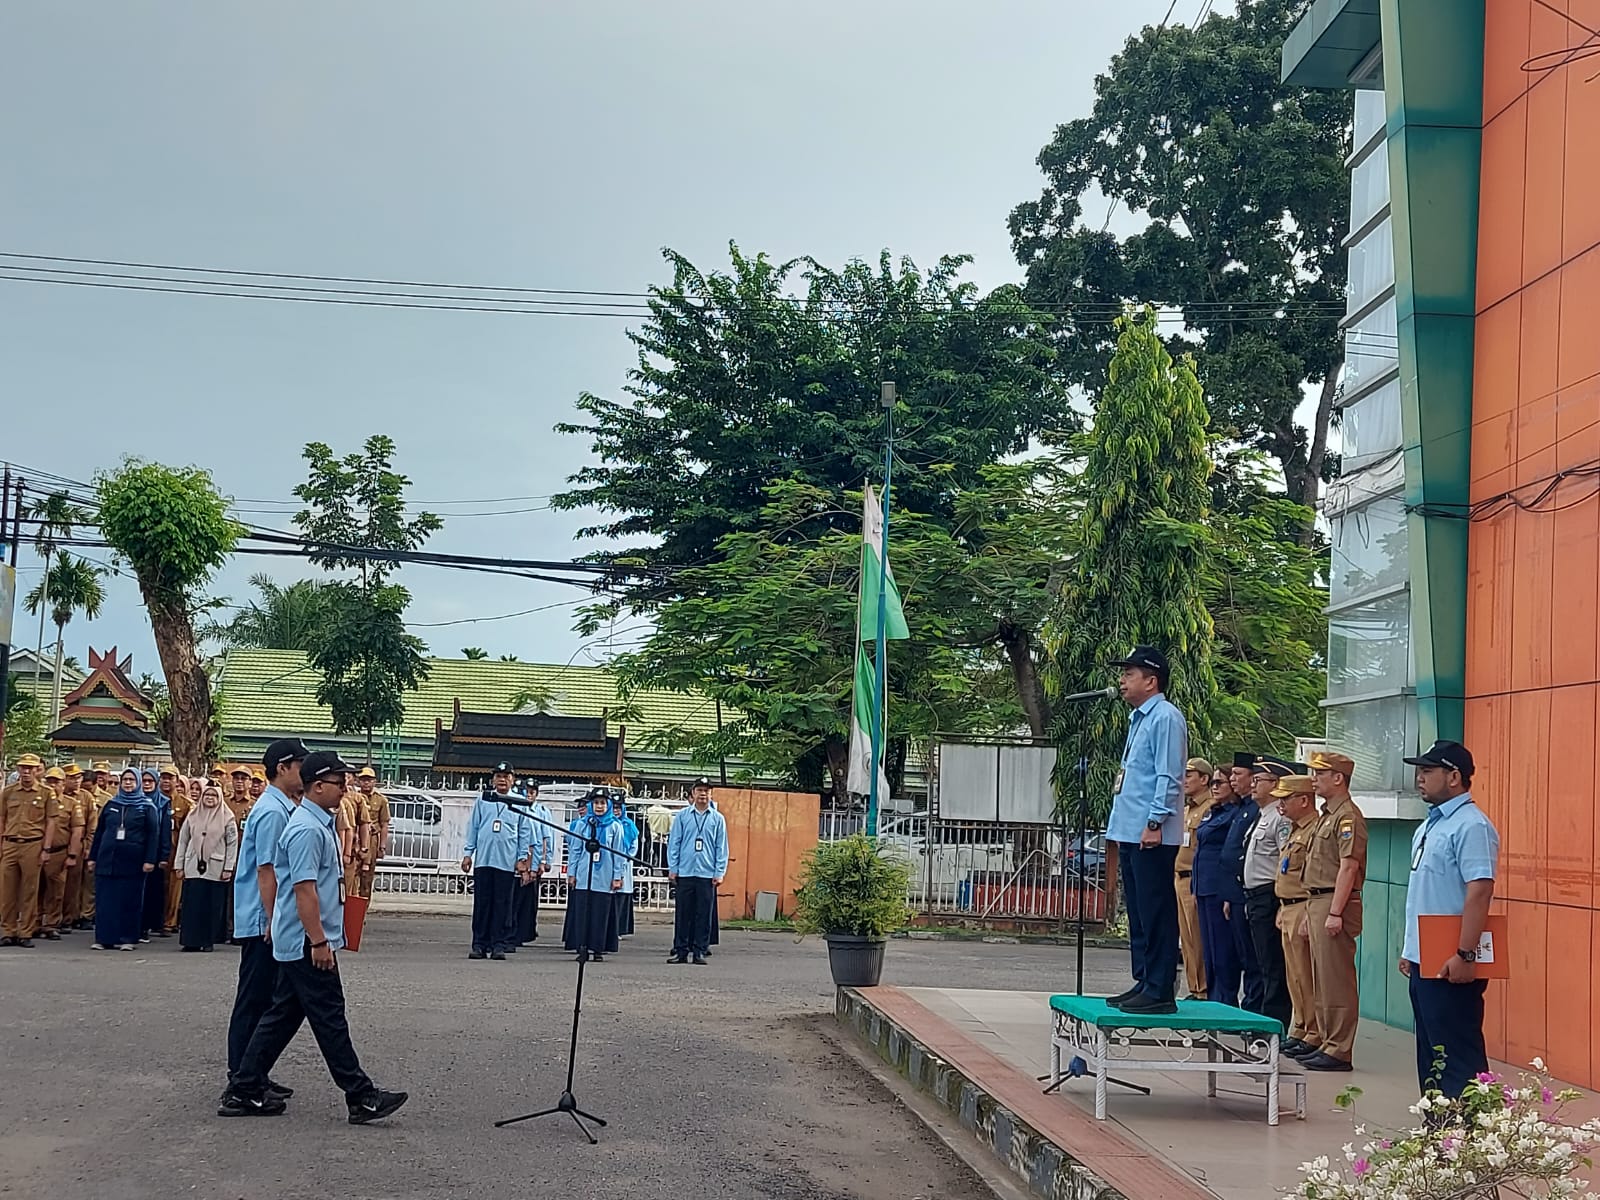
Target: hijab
197 788
153 793
630 827
208 822
126 794
602 819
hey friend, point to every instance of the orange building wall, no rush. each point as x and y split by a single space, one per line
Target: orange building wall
768 834
1533 579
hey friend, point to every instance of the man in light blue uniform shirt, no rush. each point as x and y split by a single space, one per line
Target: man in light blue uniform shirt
307 933
697 861
541 852
496 850
1453 859
1147 825
254 890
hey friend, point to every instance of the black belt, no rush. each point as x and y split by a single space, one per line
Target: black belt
40 838
1184 874
1320 891
1292 900
57 849
1259 888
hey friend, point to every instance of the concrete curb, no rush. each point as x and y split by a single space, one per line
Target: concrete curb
1043 1167
923 934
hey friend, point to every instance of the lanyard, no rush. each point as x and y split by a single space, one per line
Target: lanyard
700 823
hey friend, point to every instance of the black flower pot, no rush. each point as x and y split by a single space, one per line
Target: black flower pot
855 961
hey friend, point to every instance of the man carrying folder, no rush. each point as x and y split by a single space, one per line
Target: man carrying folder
1453 859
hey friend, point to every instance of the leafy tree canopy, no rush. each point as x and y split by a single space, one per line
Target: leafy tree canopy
281 617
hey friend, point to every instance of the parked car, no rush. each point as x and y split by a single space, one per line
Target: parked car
414 818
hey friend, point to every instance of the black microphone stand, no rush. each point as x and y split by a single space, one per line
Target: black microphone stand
567 1102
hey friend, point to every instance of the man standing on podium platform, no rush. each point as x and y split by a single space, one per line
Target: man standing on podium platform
1147 825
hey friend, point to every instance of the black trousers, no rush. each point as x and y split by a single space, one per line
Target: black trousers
493 917
1261 912
258 980
304 995
526 906
1152 916
1448 1020
695 901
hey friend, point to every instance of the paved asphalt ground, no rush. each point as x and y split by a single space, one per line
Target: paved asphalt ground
717 1080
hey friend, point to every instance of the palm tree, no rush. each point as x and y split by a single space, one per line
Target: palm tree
284 618
534 699
474 653
70 586
56 516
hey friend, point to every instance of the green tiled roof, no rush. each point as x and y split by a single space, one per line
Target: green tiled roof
274 691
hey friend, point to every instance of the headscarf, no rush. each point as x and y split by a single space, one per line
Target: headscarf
589 812
630 828
197 788
153 793
208 821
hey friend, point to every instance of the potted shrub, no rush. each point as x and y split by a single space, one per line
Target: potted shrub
854 895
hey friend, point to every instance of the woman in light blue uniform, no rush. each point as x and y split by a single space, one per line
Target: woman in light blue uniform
592 878
630 845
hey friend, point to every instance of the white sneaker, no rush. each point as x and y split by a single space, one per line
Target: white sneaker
129 949
98 946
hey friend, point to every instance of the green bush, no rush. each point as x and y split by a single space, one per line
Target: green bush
850 886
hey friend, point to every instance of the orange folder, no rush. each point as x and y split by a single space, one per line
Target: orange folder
355 915
1441 937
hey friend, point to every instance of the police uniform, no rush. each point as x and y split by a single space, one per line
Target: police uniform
1258 874
66 844
377 834
1341 834
1189 935
1304 1033
24 813
181 807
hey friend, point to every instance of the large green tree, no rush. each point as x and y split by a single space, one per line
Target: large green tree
355 510
1240 183
172 526
1137 574
71 585
281 617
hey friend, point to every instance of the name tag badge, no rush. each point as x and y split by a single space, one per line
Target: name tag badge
122 833
1116 788
497 827
595 857
699 845
341 889
1185 837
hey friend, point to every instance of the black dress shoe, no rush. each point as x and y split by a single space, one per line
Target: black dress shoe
699 960
1291 1046
1122 998
1304 1051
1325 1062
24 942
1145 1006
678 959
497 957
476 954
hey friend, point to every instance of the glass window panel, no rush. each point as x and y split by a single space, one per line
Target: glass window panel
1370 116
1369 549
1375 733
1369 187
1369 648
1370 428
1371 265
1371 347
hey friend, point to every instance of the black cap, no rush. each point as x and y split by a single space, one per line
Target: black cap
282 751
1270 765
1147 657
702 782
1446 754
502 768
1246 759
322 764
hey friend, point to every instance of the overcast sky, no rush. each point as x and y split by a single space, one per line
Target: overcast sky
509 143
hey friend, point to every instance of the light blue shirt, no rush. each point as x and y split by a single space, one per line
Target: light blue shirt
1153 760
258 847
697 846
308 852
543 839
596 876
1455 846
497 836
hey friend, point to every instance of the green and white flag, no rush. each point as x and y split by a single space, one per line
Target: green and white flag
866 700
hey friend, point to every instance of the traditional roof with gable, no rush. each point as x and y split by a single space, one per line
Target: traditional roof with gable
532 743
107 694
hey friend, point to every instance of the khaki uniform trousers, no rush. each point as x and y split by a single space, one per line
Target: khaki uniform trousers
52 892
19 887
352 875
72 905
1194 963
1292 917
1333 969
174 893
86 897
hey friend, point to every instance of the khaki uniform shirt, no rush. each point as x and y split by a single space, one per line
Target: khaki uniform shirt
1341 833
182 806
64 811
93 801
24 810
1263 853
1193 814
1289 885
378 806
239 805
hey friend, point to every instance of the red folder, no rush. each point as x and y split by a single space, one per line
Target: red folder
1441 937
355 916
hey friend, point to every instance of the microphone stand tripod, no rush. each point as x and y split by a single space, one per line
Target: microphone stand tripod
567 1102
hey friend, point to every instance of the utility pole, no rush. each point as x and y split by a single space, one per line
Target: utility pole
880 710
8 591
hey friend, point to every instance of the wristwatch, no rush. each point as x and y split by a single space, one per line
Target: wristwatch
1153 826
1467 955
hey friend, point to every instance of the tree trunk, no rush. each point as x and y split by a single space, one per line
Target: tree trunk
55 697
1319 445
1030 691
188 688
838 753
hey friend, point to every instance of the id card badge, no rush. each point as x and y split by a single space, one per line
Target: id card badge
122 833
595 857
341 889
496 827
1185 837
1116 788
699 845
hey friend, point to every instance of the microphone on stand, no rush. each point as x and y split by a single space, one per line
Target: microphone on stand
1105 693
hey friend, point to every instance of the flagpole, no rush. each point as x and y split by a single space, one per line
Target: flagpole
880 710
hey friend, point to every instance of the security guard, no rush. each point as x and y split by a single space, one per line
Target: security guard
73 790
1297 796
378 831
172 785
1196 804
26 826
99 790
1263 854
1336 867
65 849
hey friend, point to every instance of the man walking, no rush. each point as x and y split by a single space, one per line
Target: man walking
1196 804
1454 856
1336 867
255 890
307 924
697 860
1146 825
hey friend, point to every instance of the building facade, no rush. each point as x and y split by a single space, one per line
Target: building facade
1466 528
